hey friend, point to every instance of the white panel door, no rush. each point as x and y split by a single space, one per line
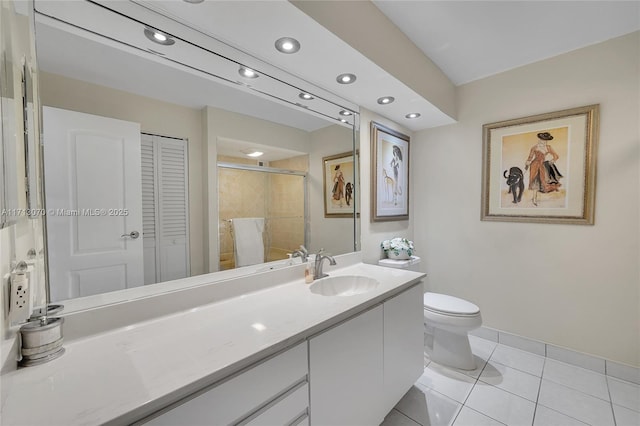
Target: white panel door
93 200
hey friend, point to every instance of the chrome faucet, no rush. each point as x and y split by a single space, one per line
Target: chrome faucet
318 264
302 254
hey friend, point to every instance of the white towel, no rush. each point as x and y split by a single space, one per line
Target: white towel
247 234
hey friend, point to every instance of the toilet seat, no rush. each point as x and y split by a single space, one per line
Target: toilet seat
449 305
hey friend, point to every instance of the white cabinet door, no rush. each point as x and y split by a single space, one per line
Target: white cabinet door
272 384
345 372
403 344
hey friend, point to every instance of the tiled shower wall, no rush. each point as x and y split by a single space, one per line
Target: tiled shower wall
278 198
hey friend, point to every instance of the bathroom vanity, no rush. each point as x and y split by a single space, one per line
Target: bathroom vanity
273 353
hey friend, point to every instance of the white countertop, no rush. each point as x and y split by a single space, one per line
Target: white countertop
125 374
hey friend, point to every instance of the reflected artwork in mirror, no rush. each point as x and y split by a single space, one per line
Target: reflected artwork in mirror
151 155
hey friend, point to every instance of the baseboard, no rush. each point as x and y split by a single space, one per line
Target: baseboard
579 359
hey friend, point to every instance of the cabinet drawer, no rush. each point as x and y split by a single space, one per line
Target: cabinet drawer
238 397
285 411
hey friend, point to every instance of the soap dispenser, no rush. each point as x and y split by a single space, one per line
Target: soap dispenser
309 272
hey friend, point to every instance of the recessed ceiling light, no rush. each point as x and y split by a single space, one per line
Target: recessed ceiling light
158 37
345 113
386 100
346 78
252 153
413 115
305 96
248 72
194 1
344 121
287 45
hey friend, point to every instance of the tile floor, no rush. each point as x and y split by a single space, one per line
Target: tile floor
513 387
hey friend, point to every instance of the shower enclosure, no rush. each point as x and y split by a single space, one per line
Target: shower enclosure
278 195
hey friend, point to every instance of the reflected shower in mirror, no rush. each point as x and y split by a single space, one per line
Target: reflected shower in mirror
262 203
144 148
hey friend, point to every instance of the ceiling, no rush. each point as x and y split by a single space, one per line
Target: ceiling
65 53
254 26
467 40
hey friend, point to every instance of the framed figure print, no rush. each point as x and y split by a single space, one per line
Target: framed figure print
389 174
339 186
541 168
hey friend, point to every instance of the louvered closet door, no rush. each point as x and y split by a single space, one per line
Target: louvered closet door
149 210
167 217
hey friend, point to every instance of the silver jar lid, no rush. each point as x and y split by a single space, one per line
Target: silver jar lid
42 325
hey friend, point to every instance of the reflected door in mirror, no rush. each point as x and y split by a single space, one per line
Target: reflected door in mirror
165 208
93 199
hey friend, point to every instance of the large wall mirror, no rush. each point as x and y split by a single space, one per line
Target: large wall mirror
151 134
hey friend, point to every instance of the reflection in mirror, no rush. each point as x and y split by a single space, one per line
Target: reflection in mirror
147 158
262 203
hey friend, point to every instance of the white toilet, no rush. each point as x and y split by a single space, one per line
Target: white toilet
447 321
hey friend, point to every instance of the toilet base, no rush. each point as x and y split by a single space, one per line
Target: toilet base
452 349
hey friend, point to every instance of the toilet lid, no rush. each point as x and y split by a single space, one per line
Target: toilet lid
449 304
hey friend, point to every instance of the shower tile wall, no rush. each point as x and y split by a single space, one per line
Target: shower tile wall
240 194
279 198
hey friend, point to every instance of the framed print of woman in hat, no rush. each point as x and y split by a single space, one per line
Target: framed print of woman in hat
544 175
389 174
339 173
541 168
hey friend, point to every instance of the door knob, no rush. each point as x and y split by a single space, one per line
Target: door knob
133 235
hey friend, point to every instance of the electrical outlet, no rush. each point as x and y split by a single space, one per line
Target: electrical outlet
19 298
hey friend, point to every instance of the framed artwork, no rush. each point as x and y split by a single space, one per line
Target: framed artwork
389 174
339 172
541 168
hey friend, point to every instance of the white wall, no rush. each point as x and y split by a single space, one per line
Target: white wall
570 285
373 233
331 233
16 45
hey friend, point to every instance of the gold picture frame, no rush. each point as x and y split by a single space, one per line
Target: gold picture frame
339 187
541 168
389 174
